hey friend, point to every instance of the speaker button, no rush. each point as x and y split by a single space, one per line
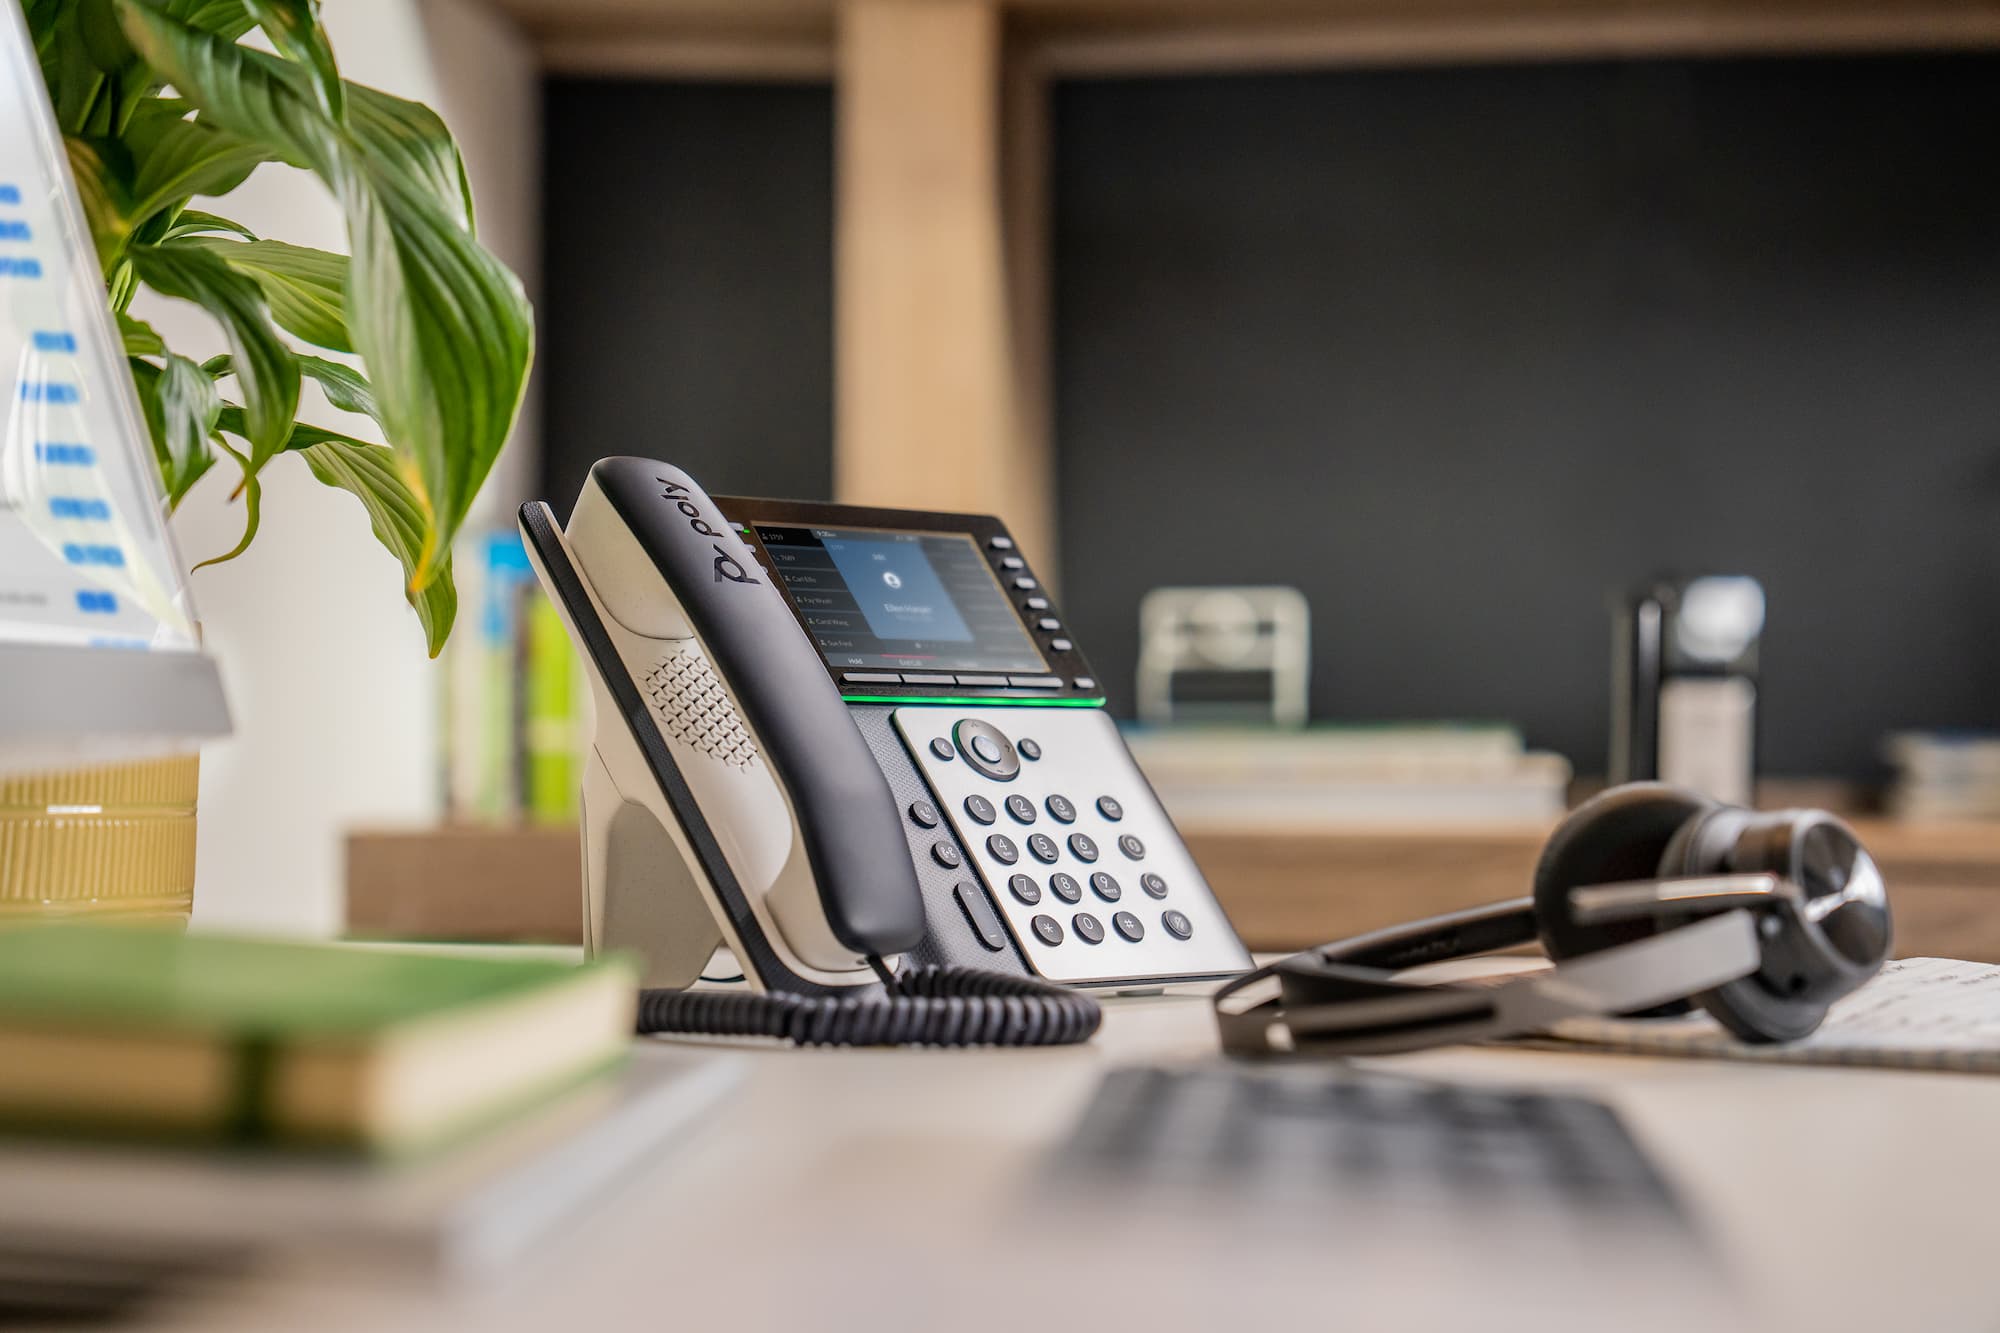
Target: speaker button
1177 925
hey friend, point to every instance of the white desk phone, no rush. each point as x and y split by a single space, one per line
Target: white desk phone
859 748
849 743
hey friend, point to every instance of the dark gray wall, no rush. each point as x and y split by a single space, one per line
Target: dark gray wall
1458 351
688 306
1455 351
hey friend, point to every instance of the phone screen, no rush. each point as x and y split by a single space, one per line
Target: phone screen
903 601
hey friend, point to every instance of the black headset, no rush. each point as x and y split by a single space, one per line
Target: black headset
1648 899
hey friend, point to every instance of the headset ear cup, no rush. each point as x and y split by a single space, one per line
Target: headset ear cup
1623 834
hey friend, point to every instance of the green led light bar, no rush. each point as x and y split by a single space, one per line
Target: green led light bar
1013 701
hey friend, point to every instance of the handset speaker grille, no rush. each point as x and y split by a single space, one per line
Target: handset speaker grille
694 710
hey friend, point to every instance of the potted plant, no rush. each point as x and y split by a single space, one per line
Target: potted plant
162 105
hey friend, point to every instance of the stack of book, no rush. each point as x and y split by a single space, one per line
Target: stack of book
1330 776
1944 775
515 707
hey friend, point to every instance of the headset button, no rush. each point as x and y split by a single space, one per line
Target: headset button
980 809
1107 887
946 855
1131 846
1128 925
923 814
1154 886
1177 925
1088 928
1043 848
1025 888
1002 849
1108 807
1061 810
1082 848
1048 930
1065 887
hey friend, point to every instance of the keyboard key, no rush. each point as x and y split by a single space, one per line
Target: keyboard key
1002 849
1082 847
981 809
1108 807
1128 926
1087 927
1021 808
1154 886
1106 887
923 814
946 855
1060 809
1131 846
1024 888
1065 887
1043 848
1047 929
1177 925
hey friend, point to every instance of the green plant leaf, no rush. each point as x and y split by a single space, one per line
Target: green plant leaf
182 409
141 338
185 158
194 222
227 19
244 92
306 288
446 334
104 188
412 137
370 473
252 491
293 27
263 365
343 386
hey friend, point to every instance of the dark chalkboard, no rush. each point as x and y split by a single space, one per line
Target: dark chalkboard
688 292
1459 351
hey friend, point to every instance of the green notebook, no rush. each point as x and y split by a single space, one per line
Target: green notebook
107 1029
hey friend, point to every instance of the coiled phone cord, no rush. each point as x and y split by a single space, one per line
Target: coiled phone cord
929 1006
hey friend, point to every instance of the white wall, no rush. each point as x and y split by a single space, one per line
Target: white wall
336 704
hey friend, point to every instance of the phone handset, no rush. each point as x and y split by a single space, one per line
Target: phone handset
700 648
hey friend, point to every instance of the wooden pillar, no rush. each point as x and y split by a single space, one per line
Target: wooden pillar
936 405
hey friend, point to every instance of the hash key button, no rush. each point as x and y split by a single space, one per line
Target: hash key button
1128 926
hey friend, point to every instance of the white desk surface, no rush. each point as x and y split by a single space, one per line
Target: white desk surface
1841 1198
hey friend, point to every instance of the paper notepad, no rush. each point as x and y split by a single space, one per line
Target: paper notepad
1917 1013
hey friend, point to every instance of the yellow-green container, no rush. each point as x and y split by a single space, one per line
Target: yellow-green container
112 841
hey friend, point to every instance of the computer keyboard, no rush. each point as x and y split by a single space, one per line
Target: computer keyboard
1352 1139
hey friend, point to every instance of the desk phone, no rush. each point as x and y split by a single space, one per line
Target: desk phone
850 742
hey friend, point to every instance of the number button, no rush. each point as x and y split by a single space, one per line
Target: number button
923 814
1061 810
1154 886
946 855
1177 925
1108 807
1082 848
1043 848
1128 925
1024 888
1047 929
1131 846
1107 887
980 809
1088 928
1002 849
1065 887
1021 808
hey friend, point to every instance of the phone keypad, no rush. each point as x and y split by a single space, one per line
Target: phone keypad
1075 917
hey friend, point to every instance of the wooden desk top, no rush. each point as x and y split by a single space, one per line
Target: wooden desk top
853 1189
